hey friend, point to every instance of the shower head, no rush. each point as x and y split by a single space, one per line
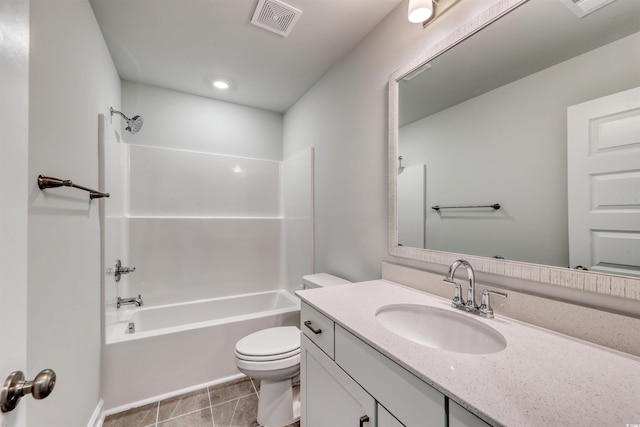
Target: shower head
133 124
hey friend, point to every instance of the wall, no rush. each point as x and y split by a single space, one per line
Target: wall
72 79
189 122
344 116
534 200
203 208
202 225
198 224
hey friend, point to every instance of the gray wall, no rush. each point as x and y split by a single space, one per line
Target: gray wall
189 122
344 116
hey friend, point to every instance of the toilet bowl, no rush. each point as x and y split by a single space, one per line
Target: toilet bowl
272 356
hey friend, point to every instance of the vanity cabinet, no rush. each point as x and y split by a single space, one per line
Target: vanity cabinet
345 381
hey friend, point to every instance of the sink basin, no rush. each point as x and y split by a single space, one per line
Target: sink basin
441 329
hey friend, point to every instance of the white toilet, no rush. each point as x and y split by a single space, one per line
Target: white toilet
273 356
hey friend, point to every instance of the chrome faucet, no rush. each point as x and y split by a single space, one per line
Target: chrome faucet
470 304
119 270
135 300
483 309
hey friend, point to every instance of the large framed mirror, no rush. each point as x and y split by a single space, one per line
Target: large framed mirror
515 142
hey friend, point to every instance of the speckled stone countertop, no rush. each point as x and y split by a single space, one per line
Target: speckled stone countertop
541 379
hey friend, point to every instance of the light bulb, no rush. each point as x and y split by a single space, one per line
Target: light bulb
220 84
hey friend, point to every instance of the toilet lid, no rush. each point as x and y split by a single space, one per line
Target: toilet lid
269 342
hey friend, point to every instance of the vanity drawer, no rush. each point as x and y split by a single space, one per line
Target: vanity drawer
318 328
409 399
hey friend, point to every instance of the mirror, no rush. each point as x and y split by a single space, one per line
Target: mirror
480 121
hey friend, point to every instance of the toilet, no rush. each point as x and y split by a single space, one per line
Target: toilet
273 356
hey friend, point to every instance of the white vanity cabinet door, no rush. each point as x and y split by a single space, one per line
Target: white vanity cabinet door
460 417
385 419
329 397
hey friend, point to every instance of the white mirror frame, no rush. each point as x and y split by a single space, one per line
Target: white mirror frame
605 284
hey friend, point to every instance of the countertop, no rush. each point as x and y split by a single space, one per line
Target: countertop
540 379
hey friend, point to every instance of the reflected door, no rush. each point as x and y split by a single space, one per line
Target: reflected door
604 183
412 206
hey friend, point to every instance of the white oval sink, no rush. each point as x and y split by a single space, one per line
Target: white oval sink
441 329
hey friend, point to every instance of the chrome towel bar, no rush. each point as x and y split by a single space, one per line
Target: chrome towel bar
49 182
495 206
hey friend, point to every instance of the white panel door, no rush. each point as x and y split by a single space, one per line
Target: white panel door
604 183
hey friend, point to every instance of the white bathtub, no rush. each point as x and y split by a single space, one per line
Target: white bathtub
184 346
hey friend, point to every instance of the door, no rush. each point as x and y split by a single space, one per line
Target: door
604 183
329 396
412 206
14 99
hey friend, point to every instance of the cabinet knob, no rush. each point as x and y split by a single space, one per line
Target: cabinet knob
364 419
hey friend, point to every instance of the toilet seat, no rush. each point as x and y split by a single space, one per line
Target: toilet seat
269 365
268 357
270 344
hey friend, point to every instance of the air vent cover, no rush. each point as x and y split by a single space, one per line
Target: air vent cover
584 7
276 16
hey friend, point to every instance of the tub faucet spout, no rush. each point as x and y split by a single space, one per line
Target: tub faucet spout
134 300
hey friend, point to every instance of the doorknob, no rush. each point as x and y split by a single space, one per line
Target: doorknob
15 387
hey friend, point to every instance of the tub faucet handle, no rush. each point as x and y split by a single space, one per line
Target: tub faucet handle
120 270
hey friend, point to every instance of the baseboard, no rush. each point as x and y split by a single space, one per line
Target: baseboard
166 396
97 418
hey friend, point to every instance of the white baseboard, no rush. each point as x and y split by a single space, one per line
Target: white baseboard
165 396
98 415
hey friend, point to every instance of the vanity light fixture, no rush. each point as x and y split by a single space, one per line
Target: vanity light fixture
420 10
426 11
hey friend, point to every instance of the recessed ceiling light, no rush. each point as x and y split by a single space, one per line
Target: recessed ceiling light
220 84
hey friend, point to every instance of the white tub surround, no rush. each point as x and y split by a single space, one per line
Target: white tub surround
184 346
540 378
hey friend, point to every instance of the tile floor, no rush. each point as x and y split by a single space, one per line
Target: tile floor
232 404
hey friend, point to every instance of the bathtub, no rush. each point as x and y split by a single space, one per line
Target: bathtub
180 347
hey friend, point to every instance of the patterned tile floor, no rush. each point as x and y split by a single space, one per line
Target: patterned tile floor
232 404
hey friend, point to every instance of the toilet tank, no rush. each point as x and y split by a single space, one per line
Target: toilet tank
321 280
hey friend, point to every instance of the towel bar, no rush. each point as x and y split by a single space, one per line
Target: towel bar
49 182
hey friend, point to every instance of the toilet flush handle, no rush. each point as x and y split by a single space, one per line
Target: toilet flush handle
314 330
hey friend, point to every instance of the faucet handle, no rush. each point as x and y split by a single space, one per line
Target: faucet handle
457 301
485 309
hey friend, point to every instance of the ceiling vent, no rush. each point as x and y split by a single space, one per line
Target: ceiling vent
584 7
276 16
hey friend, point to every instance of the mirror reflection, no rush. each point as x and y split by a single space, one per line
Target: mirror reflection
514 116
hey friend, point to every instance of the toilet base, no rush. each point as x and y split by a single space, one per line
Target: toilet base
278 403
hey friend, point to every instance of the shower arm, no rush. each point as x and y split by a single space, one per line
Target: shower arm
118 112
